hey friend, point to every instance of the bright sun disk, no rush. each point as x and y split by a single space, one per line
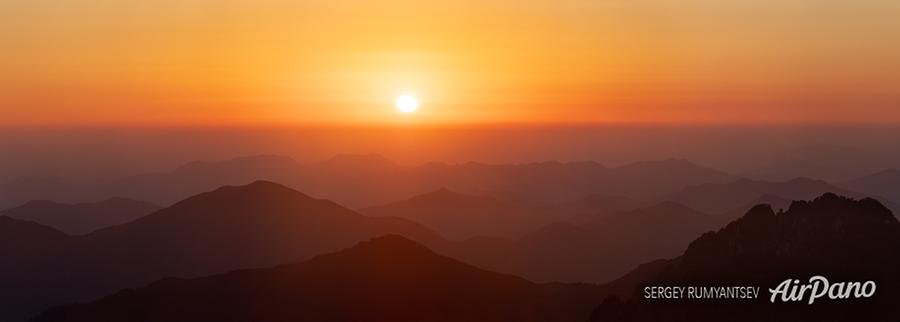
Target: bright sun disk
407 103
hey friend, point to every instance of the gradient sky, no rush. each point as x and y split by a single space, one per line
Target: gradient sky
206 62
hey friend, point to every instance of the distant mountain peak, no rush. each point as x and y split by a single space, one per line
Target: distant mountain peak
391 243
444 190
260 192
760 212
260 185
445 197
41 202
390 248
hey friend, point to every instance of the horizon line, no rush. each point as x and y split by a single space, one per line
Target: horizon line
427 125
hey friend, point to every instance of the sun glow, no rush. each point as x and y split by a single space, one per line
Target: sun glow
407 103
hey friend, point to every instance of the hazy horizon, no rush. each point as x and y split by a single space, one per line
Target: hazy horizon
120 151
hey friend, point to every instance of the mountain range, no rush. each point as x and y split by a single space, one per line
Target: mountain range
549 222
264 224
829 162
256 225
601 241
388 278
393 278
718 198
459 216
884 183
836 237
599 249
81 218
347 178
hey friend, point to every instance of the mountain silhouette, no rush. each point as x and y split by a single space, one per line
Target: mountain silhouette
590 206
784 170
671 225
458 216
829 162
26 248
346 178
722 198
200 176
389 278
654 178
17 235
81 218
884 183
19 190
598 250
836 237
259 224
256 225
265 224
777 203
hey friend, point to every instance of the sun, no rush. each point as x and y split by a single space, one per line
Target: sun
407 103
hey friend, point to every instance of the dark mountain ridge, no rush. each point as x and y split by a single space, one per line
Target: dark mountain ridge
257 225
839 238
20 234
385 279
81 218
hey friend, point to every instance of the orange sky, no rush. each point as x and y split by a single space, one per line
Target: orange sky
491 61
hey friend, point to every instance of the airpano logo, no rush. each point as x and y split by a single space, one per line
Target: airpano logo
819 287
